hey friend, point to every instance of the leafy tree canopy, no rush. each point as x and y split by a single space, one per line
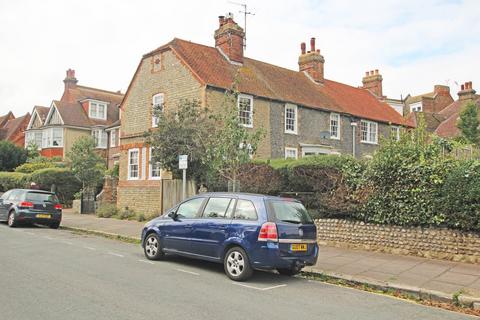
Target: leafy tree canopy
11 156
468 123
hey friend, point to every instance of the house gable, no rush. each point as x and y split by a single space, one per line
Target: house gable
53 117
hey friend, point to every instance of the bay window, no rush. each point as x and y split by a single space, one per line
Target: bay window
100 137
33 137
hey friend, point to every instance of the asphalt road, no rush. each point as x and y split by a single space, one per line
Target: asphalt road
55 274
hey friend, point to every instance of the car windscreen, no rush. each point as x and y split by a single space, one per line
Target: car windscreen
289 211
41 197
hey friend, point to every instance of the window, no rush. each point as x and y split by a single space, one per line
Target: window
113 138
416 107
291 153
368 131
245 110
98 110
154 168
395 132
100 137
290 118
52 137
334 126
289 211
190 209
157 103
34 137
133 161
217 207
245 210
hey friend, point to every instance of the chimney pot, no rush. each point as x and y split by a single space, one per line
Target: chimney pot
462 87
312 44
229 38
318 50
303 47
366 73
376 71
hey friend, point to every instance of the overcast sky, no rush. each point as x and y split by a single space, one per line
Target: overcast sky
415 44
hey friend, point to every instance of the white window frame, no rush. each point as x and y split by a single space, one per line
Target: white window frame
294 108
113 138
35 134
48 138
95 105
416 107
250 115
129 164
335 117
150 168
154 118
101 138
367 127
294 150
395 132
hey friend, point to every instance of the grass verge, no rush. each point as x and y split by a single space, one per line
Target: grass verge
107 235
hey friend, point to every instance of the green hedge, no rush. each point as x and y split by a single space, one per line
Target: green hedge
30 167
66 184
13 180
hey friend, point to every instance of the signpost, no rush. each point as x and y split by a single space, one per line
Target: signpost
183 165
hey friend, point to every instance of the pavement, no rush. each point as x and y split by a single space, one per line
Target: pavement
428 278
59 274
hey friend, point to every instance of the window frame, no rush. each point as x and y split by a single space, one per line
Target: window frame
113 133
129 169
228 213
338 125
97 105
235 210
150 167
102 138
294 107
199 211
291 149
250 98
154 118
48 137
395 132
368 124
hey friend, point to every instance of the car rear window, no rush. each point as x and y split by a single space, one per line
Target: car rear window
41 197
289 211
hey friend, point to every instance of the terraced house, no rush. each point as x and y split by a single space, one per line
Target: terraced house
81 111
302 112
13 129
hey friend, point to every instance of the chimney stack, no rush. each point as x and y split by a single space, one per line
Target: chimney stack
312 62
229 38
70 80
372 81
466 92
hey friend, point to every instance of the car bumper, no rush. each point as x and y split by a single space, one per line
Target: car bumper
31 217
269 256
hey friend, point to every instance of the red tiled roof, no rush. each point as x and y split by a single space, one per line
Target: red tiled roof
448 128
5 118
14 125
277 83
42 112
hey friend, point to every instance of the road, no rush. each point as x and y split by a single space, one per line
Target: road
55 274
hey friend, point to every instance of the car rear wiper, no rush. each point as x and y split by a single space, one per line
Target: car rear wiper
292 221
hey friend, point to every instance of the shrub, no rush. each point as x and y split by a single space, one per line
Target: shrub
107 210
12 180
30 167
126 214
65 183
11 156
260 178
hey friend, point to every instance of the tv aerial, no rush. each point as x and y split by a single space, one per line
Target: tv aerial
245 13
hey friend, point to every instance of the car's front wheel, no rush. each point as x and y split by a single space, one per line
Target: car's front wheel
152 248
236 264
11 219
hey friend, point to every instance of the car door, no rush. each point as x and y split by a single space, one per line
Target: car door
178 232
211 230
4 205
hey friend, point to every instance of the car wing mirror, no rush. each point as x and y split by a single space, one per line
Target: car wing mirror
172 215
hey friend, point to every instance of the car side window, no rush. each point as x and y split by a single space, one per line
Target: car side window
245 210
6 195
217 208
190 209
16 195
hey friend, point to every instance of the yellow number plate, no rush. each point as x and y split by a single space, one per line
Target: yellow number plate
43 216
299 247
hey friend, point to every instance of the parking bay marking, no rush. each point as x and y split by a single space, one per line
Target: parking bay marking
257 288
116 254
189 272
145 261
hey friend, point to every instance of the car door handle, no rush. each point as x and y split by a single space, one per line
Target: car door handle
188 226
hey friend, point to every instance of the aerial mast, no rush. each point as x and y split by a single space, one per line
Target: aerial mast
245 13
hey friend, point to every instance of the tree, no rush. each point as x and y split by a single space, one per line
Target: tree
11 156
32 152
87 165
468 123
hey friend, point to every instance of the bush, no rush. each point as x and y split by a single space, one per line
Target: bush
30 167
11 156
260 178
107 210
13 180
65 183
126 214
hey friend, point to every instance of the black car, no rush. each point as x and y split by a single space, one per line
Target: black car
30 206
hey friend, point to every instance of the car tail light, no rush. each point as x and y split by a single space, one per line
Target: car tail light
268 232
58 206
26 204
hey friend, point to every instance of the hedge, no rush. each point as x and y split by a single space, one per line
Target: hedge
30 167
13 180
66 184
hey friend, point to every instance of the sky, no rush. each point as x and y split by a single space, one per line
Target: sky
415 44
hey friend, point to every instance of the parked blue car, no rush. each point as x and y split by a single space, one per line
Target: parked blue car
243 231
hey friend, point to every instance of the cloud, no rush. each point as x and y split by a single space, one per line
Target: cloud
414 44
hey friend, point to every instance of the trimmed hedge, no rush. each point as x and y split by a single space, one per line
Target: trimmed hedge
66 184
13 180
30 167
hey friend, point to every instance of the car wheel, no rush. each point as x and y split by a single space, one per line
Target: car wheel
152 247
11 219
236 264
54 225
289 272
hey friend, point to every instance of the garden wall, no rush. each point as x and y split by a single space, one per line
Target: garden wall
425 242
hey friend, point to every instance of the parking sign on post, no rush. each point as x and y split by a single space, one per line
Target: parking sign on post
183 165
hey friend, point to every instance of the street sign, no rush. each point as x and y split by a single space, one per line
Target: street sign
183 162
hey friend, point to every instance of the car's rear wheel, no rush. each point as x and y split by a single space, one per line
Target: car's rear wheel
289 271
152 247
11 219
54 225
236 264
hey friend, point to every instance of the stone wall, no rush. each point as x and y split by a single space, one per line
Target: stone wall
436 243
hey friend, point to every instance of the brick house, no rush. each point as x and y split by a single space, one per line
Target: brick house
302 112
13 129
82 111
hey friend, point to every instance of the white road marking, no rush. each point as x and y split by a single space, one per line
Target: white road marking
116 254
89 248
67 242
49 238
257 288
145 261
30 233
189 272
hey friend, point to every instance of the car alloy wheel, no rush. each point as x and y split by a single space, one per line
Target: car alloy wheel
151 246
11 219
235 263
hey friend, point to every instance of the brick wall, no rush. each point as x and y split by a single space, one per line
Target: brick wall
425 242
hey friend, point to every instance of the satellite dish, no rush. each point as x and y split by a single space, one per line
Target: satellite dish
325 135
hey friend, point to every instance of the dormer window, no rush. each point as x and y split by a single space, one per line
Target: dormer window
98 110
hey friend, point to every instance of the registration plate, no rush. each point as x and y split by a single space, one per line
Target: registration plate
299 247
43 216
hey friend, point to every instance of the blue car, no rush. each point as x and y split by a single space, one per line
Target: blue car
245 232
